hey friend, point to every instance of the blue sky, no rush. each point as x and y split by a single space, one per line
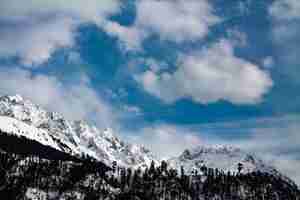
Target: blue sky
163 73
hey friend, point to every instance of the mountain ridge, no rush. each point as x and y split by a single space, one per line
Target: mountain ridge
23 118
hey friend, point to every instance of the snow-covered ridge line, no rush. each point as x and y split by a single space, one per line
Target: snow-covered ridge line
18 128
22 117
225 158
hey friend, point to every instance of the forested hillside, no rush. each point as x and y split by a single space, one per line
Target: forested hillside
28 176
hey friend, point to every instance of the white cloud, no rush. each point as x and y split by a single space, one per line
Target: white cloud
210 75
75 102
166 140
283 13
285 16
37 42
93 10
177 21
34 30
171 20
285 9
130 37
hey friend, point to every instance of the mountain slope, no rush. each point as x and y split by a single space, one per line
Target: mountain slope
23 118
224 158
36 178
37 161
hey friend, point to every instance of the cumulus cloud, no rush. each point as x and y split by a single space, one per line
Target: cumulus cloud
46 26
209 75
38 41
172 20
77 102
177 21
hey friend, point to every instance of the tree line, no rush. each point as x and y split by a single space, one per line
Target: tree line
47 176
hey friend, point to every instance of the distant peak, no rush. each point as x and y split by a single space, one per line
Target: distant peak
17 98
205 148
13 98
220 147
109 132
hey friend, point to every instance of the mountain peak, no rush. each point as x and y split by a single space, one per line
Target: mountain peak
17 98
223 157
74 137
12 98
21 117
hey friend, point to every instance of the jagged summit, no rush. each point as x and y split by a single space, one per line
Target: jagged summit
212 149
20 116
223 157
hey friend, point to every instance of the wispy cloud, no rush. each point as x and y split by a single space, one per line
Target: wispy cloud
165 140
285 18
285 9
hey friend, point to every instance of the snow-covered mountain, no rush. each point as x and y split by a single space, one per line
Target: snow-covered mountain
23 118
223 157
